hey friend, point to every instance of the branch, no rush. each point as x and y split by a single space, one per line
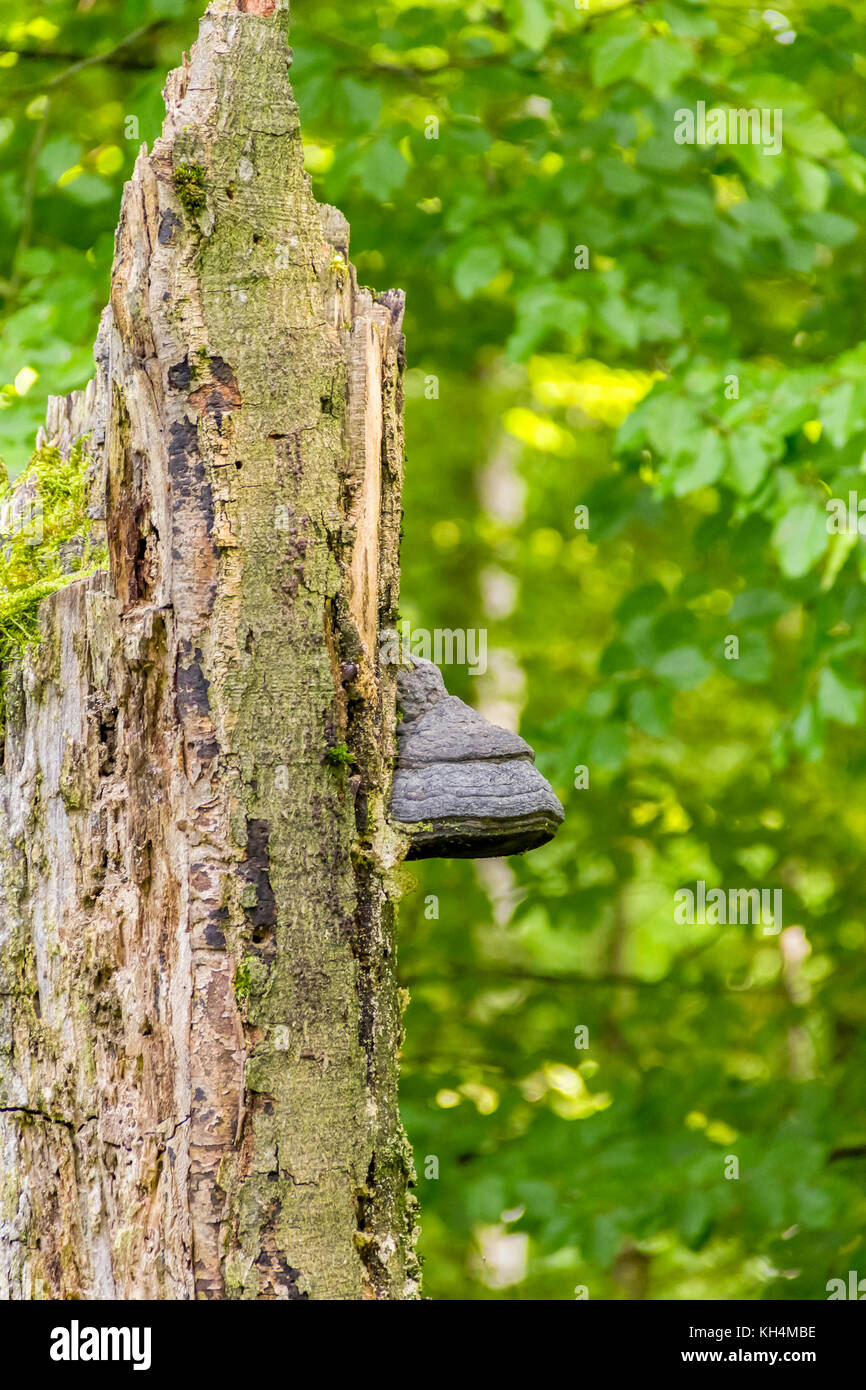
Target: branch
610 979
113 58
859 1151
530 977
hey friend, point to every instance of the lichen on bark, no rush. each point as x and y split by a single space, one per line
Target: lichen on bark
199 1017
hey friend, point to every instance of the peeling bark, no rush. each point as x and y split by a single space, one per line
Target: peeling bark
199 1016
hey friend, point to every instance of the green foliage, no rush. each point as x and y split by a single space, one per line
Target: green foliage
700 387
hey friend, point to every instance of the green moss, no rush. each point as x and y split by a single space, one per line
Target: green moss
243 981
45 544
190 188
339 756
19 616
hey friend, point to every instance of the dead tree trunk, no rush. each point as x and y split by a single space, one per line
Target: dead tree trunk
199 1018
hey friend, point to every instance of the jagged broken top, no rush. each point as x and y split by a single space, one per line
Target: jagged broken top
463 787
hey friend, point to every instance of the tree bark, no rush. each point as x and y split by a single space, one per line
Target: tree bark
199 1016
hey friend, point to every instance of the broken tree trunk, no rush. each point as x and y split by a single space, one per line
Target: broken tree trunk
199 1017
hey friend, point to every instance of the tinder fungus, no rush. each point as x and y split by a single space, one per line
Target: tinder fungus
463 788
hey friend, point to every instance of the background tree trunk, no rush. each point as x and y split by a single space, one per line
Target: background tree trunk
200 1020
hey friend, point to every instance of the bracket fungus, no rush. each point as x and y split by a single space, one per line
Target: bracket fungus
463 787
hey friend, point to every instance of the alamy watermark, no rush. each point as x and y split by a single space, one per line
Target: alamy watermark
738 906
855 1288
446 646
77 1343
846 519
729 126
